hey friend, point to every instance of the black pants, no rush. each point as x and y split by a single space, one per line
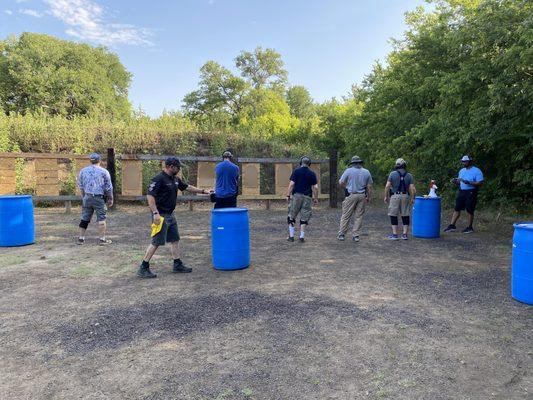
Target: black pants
226 202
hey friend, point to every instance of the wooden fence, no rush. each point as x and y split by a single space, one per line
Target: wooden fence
46 172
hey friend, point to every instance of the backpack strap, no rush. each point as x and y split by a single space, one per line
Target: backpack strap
402 187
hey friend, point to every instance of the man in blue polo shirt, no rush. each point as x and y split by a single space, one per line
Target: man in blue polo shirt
227 178
469 181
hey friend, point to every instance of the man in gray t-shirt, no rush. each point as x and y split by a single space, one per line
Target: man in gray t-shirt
358 182
400 194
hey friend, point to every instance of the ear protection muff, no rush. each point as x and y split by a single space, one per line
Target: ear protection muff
227 154
305 158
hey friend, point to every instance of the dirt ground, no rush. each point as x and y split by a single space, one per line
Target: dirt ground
422 319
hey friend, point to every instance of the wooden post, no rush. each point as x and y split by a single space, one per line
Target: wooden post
267 204
111 167
68 207
191 206
333 184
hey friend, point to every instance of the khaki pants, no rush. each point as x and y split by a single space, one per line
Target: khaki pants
354 203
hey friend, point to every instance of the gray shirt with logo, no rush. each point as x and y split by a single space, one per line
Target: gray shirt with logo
356 179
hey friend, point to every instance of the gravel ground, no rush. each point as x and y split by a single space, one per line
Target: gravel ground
422 319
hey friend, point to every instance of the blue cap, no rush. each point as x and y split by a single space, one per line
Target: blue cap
94 157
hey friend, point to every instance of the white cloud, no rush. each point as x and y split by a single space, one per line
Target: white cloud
8 12
30 12
85 19
21 1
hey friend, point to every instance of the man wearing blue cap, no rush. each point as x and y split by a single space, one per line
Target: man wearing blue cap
469 181
162 195
97 192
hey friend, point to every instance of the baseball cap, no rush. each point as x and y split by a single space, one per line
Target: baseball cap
95 157
227 154
172 162
466 158
400 161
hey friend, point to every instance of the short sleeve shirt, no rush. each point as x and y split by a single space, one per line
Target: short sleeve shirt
227 178
394 179
304 179
165 188
472 174
356 179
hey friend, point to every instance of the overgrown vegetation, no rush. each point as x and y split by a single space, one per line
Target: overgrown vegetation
459 82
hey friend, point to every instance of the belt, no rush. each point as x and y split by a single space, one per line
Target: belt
94 195
358 193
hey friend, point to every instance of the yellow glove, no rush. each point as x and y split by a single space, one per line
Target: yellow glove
157 228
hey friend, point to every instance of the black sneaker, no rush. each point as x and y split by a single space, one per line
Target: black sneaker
81 241
341 238
290 239
104 242
468 230
301 240
355 238
144 272
450 228
180 268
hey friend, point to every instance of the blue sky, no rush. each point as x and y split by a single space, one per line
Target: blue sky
326 45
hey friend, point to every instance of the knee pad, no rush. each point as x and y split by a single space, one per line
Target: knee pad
291 221
393 220
406 220
304 222
84 224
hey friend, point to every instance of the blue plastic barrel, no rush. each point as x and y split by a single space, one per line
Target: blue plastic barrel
230 238
522 271
17 226
426 217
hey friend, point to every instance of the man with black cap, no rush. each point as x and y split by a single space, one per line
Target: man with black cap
358 181
227 179
96 190
162 195
302 190
469 181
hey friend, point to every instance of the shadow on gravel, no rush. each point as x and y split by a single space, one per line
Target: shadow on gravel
288 318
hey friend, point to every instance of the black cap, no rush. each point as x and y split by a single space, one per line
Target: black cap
227 154
172 162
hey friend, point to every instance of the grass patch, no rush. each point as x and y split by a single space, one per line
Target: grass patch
12 259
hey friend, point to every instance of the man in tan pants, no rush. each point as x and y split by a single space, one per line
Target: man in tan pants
358 182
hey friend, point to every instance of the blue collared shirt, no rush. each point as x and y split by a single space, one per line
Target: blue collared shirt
472 174
95 180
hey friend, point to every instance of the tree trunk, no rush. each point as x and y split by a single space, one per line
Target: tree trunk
333 184
111 167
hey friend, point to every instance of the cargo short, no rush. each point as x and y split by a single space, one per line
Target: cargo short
300 204
169 231
93 204
466 200
399 205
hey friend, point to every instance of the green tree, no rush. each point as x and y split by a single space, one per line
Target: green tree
460 82
262 68
300 102
39 73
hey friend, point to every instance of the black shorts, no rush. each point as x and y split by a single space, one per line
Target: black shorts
226 202
169 231
466 200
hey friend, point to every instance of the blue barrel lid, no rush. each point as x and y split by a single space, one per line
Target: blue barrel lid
21 196
229 210
524 225
427 198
